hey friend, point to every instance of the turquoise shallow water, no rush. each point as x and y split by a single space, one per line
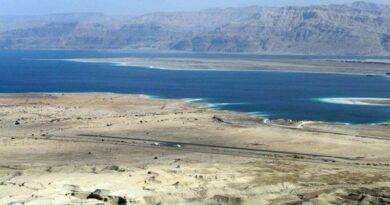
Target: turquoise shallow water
274 94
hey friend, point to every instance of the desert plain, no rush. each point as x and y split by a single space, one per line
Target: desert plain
104 148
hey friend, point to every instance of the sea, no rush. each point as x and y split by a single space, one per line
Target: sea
273 95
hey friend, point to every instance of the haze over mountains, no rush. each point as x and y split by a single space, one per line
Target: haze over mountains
359 28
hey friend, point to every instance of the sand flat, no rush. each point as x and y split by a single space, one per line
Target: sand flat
358 101
71 148
245 64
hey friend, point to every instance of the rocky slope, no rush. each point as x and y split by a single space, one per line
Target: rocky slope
351 29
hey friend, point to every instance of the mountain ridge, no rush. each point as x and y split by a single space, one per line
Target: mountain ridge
359 28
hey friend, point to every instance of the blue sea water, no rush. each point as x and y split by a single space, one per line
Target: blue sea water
285 95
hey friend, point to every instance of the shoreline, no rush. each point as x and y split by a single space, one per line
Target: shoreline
238 65
194 52
196 102
356 101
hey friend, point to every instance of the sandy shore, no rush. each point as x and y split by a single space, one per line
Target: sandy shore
122 149
358 101
245 64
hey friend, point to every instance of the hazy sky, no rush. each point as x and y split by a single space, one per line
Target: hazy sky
136 7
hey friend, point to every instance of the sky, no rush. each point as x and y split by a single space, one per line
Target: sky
137 7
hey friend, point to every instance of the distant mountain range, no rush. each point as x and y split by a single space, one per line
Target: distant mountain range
358 28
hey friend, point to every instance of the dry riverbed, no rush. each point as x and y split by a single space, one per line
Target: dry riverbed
123 149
